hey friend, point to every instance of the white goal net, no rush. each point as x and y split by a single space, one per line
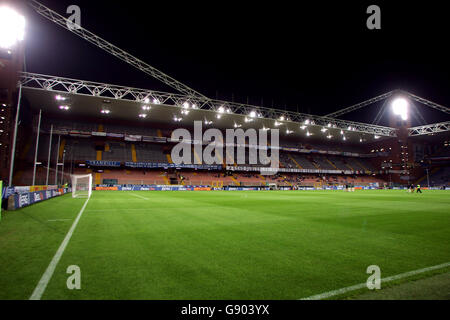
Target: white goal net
81 186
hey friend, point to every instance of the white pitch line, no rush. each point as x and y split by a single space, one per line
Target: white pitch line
364 285
45 279
139 196
59 220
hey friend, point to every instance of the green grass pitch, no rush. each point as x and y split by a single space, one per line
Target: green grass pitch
222 245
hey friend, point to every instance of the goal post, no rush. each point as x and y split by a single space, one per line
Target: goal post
81 186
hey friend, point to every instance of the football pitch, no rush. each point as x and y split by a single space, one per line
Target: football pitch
222 244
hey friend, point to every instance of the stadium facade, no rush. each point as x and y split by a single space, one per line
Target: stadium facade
53 126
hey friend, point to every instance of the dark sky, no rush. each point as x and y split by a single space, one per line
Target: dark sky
319 58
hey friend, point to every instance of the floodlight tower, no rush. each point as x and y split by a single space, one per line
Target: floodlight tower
400 148
12 33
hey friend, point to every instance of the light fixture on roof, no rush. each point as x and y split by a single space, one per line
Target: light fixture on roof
186 105
146 100
303 127
277 123
344 138
64 107
105 111
156 101
60 98
142 115
194 106
218 116
185 112
324 129
329 125
329 136
400 107
289 131
342 131
360 139
237 125
208 122
376 137
146 108
308 133
252 114
177 119
248 119
307 121
282 118
265 129
12 27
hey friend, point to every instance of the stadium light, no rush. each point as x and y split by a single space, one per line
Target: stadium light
105 111
64 107
400 108
142 115
12 27
252 114
277 123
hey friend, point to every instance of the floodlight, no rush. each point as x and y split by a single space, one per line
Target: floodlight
221 110
307 121
12 27
186 105
142 115
252 114
400 107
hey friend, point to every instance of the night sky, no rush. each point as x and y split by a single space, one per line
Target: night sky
311 58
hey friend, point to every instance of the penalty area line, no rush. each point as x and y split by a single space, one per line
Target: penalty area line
45 279
337 292
139 196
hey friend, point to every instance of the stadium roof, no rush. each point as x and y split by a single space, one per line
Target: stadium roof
89 99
